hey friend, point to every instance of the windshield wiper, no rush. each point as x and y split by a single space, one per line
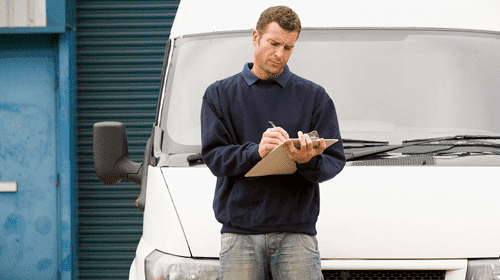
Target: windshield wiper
183 159
377 150
456 137
195 159
361 143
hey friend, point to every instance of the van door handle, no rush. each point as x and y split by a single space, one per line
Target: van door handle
8 186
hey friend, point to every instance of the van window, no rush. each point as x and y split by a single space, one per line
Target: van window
387 85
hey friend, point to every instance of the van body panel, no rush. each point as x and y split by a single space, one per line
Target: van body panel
372 212
161 226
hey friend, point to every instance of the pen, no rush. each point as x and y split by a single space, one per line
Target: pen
273 124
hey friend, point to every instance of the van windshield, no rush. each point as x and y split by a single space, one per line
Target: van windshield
387 85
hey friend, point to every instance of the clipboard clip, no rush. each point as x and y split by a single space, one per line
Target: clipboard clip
313 135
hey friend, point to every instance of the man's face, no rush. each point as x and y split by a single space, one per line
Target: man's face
272 50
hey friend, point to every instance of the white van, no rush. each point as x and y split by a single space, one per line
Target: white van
417 90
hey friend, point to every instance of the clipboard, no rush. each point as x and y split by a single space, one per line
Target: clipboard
277 161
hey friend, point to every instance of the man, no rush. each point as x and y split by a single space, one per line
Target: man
269 221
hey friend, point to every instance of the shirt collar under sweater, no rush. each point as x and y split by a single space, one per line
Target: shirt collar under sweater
250 77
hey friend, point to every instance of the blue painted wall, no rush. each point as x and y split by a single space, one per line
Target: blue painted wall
37 147
66 131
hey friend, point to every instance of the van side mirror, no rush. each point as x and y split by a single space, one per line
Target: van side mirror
111 160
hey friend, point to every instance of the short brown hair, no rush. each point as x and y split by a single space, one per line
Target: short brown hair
283 15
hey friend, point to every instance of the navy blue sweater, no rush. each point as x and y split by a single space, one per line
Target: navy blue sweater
235 113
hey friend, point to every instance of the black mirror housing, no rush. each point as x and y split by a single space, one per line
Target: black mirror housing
111 160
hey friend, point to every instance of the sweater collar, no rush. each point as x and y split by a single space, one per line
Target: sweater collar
251 79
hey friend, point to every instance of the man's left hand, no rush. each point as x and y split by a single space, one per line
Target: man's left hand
306 151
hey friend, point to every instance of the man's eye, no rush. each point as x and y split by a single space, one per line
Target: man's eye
275 44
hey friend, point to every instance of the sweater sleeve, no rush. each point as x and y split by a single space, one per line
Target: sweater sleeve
220 152
327 165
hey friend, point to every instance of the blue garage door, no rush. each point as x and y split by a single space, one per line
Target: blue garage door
120 48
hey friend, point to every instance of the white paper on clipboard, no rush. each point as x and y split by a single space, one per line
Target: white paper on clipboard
277 161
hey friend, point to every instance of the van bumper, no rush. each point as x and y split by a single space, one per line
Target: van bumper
160 265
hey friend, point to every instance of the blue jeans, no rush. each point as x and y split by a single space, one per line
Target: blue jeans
287 255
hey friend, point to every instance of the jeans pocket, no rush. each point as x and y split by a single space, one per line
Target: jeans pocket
227 242
309 242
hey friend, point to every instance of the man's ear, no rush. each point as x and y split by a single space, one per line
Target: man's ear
255 37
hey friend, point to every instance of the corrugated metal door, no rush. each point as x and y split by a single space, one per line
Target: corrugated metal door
120 56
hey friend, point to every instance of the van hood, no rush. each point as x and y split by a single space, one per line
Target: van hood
372 212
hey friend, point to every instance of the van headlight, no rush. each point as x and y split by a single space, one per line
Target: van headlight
486 269
159 265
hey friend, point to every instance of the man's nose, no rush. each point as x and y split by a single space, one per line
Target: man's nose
279 52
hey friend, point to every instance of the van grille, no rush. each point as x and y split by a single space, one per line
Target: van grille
418 159
383 274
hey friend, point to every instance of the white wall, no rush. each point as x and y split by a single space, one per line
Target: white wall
23 13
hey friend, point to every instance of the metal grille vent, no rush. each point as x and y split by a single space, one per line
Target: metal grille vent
120 49
383 274
419 159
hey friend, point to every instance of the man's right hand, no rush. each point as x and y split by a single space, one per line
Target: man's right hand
272 138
